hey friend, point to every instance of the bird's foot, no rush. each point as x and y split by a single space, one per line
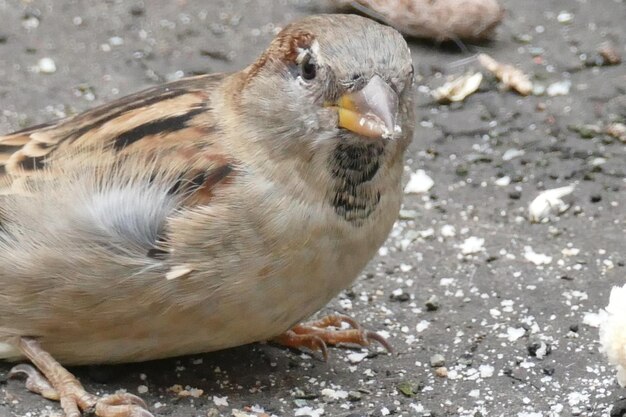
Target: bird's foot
35 382
317 335
60 385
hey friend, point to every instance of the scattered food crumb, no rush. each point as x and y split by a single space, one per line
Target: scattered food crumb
458 88
419 182
472 245
510 76
547 203
47 66
613 332
536 258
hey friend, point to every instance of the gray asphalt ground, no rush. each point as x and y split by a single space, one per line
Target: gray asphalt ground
494 309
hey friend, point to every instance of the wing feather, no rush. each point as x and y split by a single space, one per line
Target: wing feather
153 119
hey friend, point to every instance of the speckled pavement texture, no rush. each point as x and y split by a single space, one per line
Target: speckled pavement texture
510 338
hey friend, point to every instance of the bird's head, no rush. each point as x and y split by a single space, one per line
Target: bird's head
326 80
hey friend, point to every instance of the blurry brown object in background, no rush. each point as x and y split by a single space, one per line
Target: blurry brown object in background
440 20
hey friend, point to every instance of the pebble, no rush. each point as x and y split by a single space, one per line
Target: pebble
437 360
399 295
354 396
539 349
432 304
515 195
442 372
407 214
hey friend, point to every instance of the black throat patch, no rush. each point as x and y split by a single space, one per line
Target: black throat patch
354 165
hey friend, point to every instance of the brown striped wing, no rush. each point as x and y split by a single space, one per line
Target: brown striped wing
174 115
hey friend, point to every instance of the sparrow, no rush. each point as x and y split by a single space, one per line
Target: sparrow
206 213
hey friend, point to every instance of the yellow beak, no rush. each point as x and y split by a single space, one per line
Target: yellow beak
371 111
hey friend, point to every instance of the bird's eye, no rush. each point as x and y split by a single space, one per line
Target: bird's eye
308 70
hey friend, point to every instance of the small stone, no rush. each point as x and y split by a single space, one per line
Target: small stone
586 131
407 389
400 296
466 359
142 389
595 198
437 360
441 372
539 349
610 55
515 195
214 412
432 304
574 328
354 396
407 214
461 170
137 10
617 130
522 38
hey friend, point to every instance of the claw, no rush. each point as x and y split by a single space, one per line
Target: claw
122 405
321 347
293 339
373 336
316 336
124 399
63 386
35 381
